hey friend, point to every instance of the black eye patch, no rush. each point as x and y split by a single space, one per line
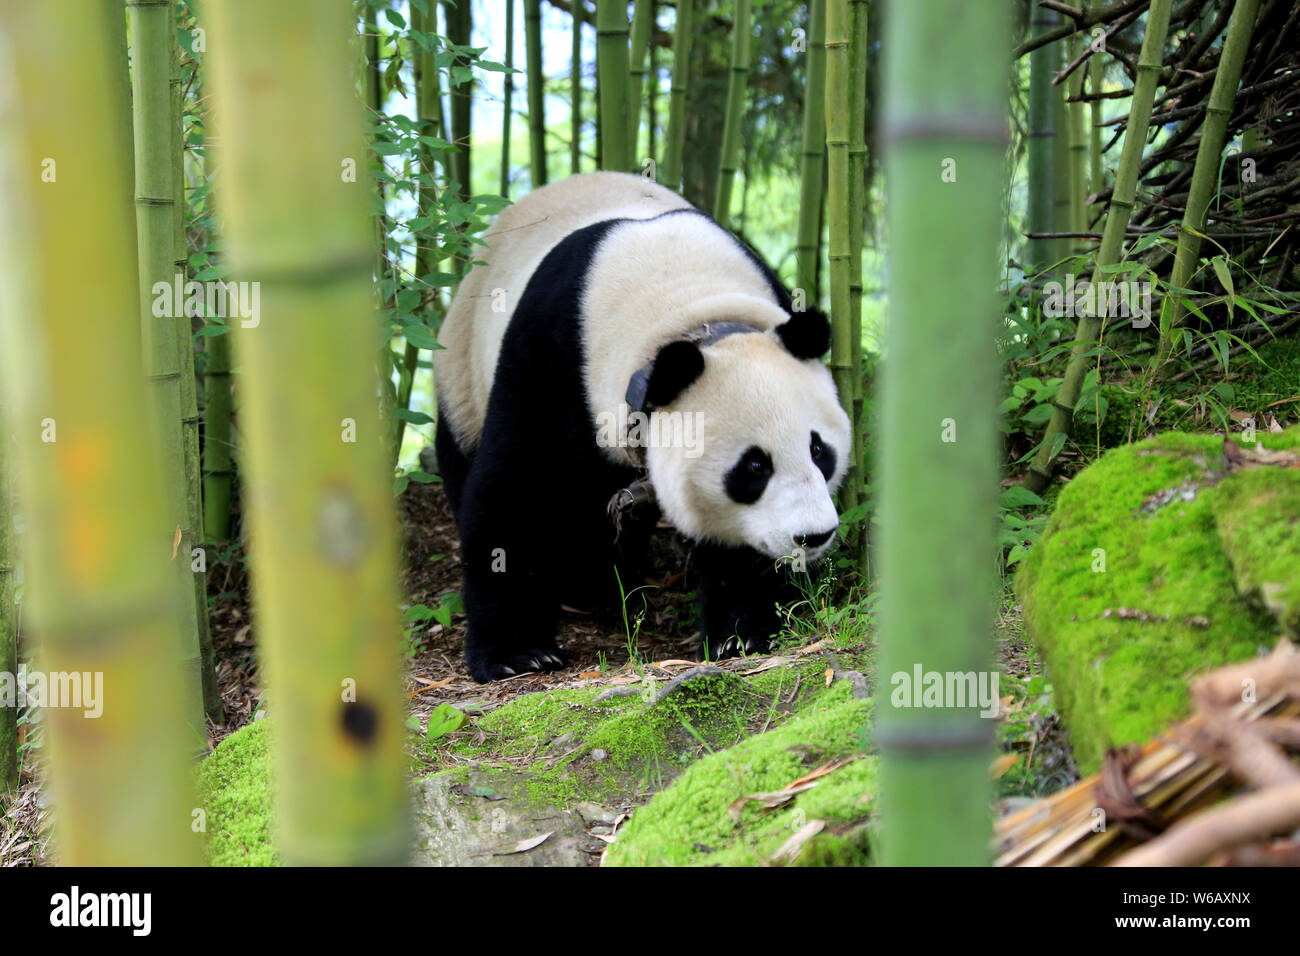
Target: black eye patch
823 456
749 476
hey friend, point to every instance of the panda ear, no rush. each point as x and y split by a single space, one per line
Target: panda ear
677 365
807 335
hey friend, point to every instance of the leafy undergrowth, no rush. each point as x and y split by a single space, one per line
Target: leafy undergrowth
1157 564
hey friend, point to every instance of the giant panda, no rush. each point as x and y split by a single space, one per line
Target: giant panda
608 306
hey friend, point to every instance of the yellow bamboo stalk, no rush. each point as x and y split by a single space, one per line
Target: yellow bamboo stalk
321 527
101 601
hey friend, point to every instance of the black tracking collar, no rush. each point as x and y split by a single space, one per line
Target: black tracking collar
706 334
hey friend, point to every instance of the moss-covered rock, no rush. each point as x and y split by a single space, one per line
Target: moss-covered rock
1159 562
234 791
540 756
690 822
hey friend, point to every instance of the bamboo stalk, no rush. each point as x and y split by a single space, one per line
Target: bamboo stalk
1096 81
1205 172
740 40
457 14
945 111
1061 202
858 187
10 765
321 527
1078 158
168 353
612 75
536 91
839 91
90 477
672 169
507 115
1042 142
575 93
428 111
809 234
1112 242
642 13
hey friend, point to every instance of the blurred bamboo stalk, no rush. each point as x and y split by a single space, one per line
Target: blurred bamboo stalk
321 527
101 599
943 135
10 765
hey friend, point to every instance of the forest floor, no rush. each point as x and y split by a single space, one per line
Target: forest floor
599 650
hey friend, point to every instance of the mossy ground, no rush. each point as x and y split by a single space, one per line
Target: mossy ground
564 747
234 791
1128 598
688 823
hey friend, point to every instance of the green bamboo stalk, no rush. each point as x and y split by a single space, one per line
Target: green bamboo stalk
459 19
652 95
612 76
193 535
1078 151
507 115
730 159
672 168
858 187
575 93
1042 141
945 110
168 353
839 202
218 440
321 526
1096 81
642 18
808 241
428 110
1061 207
1112 241
1205 172
10 765
97 587
536 90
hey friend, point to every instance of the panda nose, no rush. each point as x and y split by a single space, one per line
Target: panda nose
813 540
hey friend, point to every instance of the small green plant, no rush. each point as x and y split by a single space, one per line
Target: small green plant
418 614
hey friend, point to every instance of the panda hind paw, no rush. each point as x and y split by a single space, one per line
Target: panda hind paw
492 665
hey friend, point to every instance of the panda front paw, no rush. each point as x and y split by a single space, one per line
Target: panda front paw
735 646
489 664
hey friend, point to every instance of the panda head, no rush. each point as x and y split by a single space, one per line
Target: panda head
761 442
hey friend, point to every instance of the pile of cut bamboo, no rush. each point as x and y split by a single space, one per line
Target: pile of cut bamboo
1162 804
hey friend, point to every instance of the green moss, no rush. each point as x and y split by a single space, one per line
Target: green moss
1258 517
1128 597
234 791
688 823
1259 386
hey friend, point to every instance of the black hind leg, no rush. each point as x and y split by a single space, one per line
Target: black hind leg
453 465
740 592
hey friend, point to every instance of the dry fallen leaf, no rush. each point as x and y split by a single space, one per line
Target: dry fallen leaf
523 846
432 685
176 542
587 675
821 771
791 847
767 801
1000 766
830 676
